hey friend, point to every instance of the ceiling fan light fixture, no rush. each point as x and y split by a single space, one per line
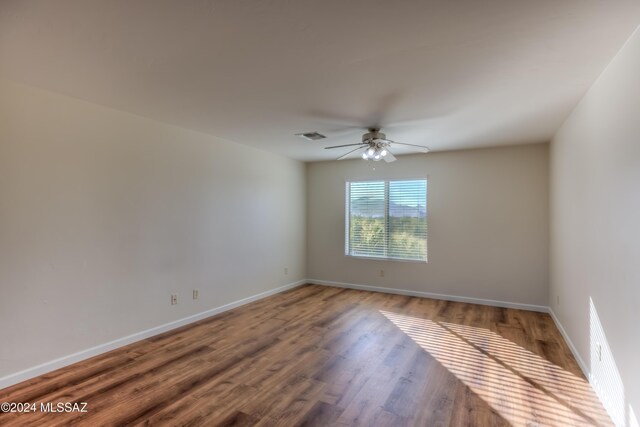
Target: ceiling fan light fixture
375 146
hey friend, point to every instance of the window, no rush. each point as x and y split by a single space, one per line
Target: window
387 219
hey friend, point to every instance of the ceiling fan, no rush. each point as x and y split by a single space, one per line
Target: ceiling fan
375 146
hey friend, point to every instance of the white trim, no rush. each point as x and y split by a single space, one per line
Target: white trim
377 258
494 303
581 363
61 362
572 347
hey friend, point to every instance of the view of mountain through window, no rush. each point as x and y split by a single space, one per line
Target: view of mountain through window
387 219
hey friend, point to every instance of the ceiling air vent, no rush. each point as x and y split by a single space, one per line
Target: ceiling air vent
311 136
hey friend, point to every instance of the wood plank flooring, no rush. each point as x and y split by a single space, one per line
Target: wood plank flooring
327 356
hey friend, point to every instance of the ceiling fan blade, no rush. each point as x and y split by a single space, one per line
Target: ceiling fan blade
426 149
345 155
389 157
346 145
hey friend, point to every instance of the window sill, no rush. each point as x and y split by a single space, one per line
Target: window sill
373 258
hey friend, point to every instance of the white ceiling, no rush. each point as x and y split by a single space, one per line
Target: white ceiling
458 73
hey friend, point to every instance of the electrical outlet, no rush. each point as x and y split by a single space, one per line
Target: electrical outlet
196 293
381 273
174 299
286 270
599 351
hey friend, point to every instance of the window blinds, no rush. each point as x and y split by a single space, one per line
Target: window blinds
387 219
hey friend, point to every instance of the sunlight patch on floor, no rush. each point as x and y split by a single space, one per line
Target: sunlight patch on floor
521 386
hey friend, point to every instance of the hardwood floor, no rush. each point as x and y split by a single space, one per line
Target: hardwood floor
328 356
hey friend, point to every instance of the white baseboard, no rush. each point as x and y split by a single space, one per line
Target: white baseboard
61 362
494 303
480 301
583 366
572 347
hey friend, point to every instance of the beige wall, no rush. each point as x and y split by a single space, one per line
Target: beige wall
595 251
104 214
487 220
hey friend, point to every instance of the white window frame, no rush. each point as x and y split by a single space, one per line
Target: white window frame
386 215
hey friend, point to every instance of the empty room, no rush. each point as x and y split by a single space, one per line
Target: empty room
320 213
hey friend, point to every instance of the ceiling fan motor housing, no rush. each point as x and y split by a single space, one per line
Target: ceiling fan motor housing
373 136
